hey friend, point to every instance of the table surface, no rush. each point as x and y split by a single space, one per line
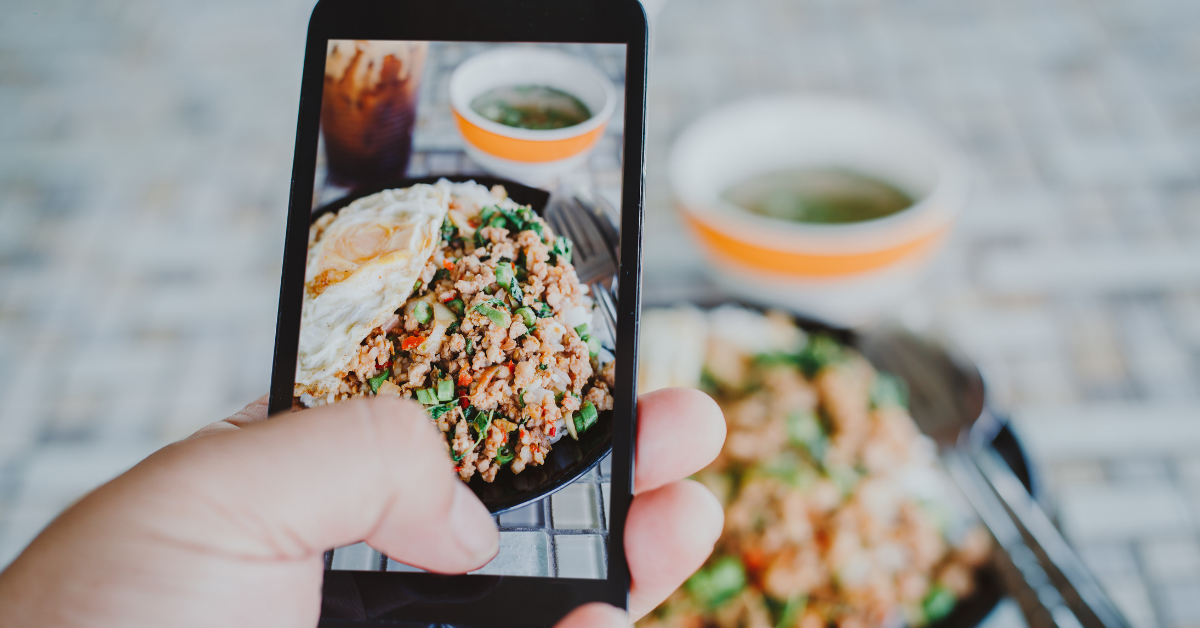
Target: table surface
145 157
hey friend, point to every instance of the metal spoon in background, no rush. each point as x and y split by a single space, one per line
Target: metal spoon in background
981 453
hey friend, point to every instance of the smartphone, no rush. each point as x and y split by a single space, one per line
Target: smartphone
464 231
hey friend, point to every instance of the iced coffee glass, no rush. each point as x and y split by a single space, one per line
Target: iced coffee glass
369 107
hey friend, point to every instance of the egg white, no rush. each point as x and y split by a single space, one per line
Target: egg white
362 265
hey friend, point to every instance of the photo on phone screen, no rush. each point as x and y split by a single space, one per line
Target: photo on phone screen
463 253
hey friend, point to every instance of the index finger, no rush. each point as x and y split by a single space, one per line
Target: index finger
680 431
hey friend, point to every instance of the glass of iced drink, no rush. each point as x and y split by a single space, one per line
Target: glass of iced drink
368 108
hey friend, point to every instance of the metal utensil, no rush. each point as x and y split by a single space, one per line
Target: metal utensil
947 401
594 256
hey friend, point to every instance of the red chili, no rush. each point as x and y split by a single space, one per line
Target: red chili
464 379
511 367
385 365
464 402
411 342
448 298
553 430
447 264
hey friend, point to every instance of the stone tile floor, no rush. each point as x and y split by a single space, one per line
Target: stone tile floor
145 151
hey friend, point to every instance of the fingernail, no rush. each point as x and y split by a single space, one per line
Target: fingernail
613 616
473 525
595 615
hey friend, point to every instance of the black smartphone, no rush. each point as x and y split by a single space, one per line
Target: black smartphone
464 231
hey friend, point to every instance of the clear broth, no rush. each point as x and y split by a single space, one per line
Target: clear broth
819 195
531 107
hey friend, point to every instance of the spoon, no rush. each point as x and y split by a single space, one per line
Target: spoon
948 403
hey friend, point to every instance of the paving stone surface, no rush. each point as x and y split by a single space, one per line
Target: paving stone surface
145 152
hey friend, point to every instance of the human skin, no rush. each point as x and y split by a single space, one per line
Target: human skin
229 527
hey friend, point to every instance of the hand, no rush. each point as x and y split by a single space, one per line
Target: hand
229 527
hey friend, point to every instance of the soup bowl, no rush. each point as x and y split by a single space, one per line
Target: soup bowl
530 156
844 273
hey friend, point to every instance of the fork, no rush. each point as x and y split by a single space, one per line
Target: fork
594 257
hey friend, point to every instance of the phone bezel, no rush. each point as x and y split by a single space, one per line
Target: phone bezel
389 597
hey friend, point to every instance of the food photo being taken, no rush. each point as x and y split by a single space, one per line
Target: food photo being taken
649 313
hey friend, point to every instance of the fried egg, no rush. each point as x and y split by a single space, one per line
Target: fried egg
362 265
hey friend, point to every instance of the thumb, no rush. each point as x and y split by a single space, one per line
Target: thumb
371 470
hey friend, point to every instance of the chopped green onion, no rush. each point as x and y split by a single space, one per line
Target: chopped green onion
888 390
504 454
504 273
587 416
582 330
496 221
593 344
792 611
499 317
804 429
417 286
719 583
378 380
938 603
542 367
445 390
470 346
456 306
427 396
527 316
423 312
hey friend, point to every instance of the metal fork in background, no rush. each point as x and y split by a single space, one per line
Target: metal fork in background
594 257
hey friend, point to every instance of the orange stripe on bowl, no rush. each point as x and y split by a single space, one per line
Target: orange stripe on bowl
525 150
809 264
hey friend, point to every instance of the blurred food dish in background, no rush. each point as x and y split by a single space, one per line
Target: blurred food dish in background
530 114
826 206
368 108
837 512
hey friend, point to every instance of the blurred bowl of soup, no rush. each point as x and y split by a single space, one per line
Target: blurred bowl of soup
828 206
530 114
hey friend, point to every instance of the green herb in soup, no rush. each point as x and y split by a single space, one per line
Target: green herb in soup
819 196
531 107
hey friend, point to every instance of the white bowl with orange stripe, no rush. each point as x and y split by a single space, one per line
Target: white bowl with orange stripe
847 273
530 156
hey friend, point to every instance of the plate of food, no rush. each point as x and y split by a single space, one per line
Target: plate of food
482 320
837 512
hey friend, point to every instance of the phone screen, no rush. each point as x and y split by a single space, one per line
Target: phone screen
463 253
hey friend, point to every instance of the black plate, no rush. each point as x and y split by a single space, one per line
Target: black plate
965 380
568 459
